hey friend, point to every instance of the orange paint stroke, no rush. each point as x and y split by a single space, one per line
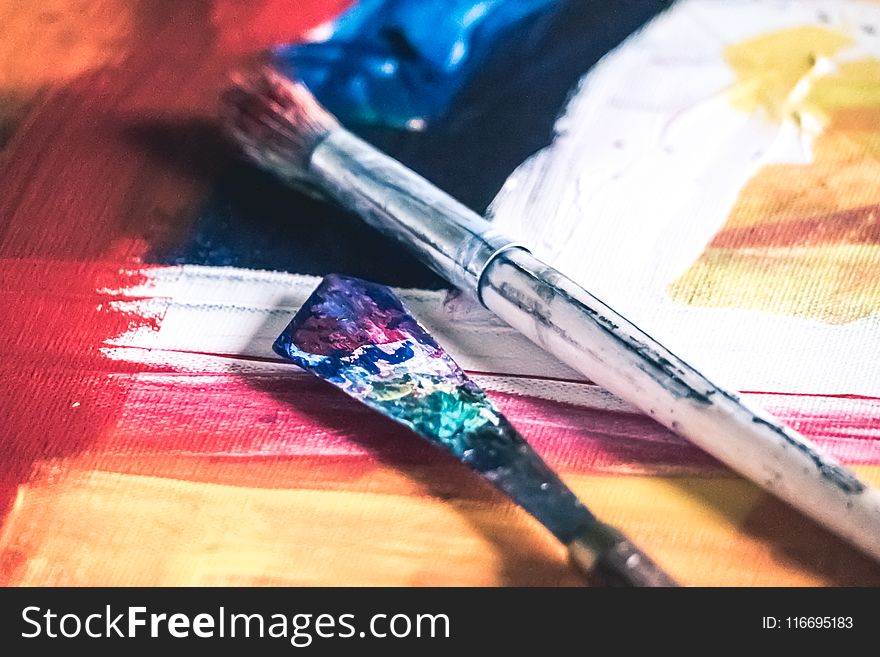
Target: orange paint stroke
802 239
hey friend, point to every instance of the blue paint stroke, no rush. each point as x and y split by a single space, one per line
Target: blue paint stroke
400 63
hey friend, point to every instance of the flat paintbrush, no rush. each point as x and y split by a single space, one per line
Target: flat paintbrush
359 337
284 129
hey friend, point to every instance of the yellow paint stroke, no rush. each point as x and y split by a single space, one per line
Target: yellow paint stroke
802 239
52 41
89 527
769 67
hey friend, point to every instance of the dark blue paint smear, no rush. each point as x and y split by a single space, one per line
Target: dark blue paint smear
503 112
399 63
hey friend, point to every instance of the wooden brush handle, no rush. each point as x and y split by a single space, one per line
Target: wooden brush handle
584 333
608 558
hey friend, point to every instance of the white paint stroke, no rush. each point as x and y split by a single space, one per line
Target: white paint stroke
647 163
224 310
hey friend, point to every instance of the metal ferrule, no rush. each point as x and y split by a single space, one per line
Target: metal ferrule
453 240
609 558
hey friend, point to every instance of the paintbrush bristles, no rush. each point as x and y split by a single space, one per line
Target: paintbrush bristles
276 120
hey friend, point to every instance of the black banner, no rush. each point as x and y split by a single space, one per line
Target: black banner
334 621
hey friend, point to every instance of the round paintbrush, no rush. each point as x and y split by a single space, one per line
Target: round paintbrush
284 129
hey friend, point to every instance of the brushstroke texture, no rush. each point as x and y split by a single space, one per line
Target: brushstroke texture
792 220
80 201
714 180
191 458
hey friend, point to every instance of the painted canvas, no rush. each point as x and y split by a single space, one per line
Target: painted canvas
706 167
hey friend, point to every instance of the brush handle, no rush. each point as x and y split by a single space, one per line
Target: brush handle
583 332
450 238
608 558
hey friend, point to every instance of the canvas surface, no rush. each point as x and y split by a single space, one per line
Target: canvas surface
151 436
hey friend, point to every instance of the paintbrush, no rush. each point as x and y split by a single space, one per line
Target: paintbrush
359 337
281 126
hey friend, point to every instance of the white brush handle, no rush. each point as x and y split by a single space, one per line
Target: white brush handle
583 332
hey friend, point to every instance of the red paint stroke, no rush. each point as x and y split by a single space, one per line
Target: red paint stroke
236 415
56 392
757 393
82 199
270 22
853 226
